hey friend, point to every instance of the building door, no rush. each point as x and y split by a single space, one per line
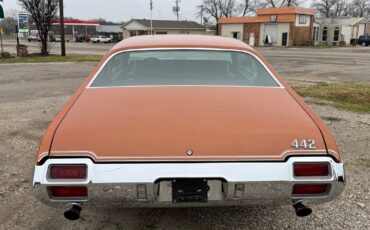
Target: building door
361 30
271 32
284 39
251 38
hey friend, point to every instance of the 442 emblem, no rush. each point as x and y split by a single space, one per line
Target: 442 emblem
304 144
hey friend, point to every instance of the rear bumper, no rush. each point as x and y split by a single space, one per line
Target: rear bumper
149 184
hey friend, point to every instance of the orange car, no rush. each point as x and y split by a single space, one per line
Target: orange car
174 121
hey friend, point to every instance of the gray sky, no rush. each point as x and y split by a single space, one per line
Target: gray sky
123 10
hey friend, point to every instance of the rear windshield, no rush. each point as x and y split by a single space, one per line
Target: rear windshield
183 67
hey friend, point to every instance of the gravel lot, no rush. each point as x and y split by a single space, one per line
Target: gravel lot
31 95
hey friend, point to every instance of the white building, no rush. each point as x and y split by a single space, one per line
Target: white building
137 27
331 31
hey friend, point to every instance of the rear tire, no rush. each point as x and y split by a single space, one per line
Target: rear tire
364 44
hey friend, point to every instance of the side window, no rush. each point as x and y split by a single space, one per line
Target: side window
336 34
324 37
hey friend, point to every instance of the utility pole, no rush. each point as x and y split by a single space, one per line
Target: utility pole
201 14
1 30
61 24
151 17
176 9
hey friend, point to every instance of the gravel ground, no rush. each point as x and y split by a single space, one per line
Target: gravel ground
31 95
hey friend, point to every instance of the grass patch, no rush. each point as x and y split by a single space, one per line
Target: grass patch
348 96
52 58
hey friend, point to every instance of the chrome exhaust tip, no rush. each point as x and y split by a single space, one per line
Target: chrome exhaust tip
73 213
301 210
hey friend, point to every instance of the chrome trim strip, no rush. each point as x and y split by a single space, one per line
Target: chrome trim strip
270 181
188 48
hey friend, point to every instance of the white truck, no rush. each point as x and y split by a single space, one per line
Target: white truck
101 39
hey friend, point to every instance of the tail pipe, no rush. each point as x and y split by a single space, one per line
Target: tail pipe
301 210
73 213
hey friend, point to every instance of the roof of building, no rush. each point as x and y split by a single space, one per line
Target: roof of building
285 10
109 29
78 23
180 41
341 21
284 15
167 24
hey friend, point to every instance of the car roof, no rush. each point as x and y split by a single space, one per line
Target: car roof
181 41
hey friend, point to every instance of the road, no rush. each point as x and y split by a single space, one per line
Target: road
31 95
297 65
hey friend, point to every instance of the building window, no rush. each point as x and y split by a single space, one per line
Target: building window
236 35
302 19
160 32
324 37
132 33
336 34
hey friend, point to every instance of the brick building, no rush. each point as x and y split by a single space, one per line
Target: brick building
285 26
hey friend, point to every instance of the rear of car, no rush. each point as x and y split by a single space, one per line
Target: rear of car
187 126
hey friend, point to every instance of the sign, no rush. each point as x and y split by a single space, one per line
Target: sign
1 12
23 22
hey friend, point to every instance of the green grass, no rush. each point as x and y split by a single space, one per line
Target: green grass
348 96
52 58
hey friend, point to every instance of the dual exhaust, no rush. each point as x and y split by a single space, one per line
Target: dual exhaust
74 212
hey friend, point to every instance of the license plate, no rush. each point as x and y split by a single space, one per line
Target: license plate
189 190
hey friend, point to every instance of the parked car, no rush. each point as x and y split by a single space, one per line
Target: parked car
58 39
33 38
101 39
186 121
364 40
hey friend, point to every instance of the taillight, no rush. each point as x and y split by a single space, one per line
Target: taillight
311 169
68 172
68 191
310 189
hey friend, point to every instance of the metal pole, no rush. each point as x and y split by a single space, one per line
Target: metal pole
61 24
151 17
17 31
1 40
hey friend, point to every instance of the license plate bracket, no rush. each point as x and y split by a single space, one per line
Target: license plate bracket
189 190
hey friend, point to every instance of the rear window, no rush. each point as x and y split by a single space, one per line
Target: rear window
183 67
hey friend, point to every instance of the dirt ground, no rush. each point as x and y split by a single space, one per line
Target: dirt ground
31 95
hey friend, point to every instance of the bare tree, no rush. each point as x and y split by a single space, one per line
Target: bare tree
248 6
280 3
43 13
361 8
337 8
324 7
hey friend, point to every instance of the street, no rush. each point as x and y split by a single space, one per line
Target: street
31 95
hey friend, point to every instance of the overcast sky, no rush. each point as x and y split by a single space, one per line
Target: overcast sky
122 10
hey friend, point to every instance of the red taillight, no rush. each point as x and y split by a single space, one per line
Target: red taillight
68 172
311 169
68 191
310 189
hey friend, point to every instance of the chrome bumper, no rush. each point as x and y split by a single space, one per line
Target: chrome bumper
149 184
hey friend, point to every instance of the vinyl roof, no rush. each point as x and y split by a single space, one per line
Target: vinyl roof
180 41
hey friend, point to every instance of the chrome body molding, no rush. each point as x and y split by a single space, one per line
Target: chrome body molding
149 184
